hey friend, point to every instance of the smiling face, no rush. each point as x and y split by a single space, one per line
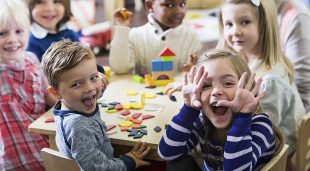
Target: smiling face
48 13
80 87
221 84
241 27
168 13
13 42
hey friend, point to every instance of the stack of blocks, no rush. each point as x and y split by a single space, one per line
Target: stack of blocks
162 69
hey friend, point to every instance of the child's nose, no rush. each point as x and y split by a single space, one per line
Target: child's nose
12 37
236 30
216 91
89 87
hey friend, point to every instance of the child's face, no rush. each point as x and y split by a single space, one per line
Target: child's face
169 13
80 87
13 42
240 26
48 14
221 84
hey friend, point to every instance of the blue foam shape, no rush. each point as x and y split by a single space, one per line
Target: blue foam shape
157 65
167 66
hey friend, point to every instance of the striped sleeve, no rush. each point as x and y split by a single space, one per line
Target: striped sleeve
250 142
181 135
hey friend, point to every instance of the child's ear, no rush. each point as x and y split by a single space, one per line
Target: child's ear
149 5
54 92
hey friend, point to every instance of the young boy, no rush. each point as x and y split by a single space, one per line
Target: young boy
136 47
70 68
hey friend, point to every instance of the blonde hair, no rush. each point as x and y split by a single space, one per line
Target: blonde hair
62 56
14 10
269 43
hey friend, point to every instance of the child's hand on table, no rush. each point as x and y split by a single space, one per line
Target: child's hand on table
139 151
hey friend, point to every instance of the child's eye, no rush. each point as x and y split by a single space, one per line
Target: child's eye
245 22
228 24
94 78
207 85
57 1
228 84
75 85
183 4
19 31
2 34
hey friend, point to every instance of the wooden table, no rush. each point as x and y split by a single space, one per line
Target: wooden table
115 92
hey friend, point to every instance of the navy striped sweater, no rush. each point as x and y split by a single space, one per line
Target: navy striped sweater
250 141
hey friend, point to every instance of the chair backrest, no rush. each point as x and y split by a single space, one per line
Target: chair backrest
55 161
278 162
303 145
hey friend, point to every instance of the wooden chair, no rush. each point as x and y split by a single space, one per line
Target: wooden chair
303 145
55 161
278 162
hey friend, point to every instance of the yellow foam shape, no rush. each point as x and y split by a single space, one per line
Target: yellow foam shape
125 123
142 99
162 82
150 95
136 105
148 79
131 92
111 110
107 71
126 106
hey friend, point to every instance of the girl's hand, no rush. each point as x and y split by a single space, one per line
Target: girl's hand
139 151
246 99
173 87
122 17
192 87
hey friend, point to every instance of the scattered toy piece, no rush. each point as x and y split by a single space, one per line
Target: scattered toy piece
111 111
124 128
150 87
143 131
129 119
160 93
137 121
125 112
172 98
109 127
138 135
131 92
157 129
118 107
150 95
136 126
126 106
104 105
136 115
49 120
144 117
111 107
125 123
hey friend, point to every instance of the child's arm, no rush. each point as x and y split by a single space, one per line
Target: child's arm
185 129
121 57
250 142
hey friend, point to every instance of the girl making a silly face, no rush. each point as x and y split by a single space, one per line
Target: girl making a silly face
219 114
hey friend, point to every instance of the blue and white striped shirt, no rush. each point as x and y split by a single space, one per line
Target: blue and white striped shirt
250 141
